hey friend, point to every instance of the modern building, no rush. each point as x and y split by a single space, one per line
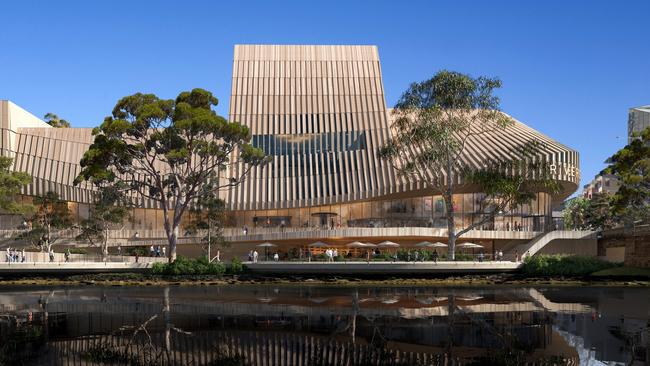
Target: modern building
321 113
601 184
638 120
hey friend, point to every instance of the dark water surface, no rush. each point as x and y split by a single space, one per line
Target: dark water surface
312 325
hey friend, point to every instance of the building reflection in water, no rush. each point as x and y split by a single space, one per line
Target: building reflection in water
323 326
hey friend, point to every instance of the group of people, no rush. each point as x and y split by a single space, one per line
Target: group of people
330 254
498 255
158 251
253 255
15 256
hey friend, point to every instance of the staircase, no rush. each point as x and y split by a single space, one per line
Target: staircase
540 241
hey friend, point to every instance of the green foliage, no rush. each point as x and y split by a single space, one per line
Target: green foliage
139 251
209 215
56 122
109 211
10 185
180 145
236 266
433 123
631 165
185 266
559 265
51 218
588 214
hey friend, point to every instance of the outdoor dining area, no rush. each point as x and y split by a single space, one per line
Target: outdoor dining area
386 250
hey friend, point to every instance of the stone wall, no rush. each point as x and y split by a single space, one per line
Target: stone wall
633 242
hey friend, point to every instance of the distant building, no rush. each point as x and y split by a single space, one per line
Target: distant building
602 183
638 120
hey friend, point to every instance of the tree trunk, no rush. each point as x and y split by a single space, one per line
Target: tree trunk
173 239
105 249
451 227
448 196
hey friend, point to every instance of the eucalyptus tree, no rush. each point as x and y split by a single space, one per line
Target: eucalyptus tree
208 216
11 183
51 219
108 212
436 120
631 165
169 151
54 121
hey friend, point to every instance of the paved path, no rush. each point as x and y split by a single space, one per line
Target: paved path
274 267
71 267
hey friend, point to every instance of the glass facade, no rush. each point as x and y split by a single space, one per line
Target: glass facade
426 211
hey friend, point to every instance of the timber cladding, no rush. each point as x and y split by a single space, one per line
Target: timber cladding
319 111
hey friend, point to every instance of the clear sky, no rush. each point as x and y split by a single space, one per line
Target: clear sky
570 69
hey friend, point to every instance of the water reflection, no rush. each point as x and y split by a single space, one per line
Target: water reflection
309 325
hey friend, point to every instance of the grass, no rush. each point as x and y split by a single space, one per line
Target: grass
623 272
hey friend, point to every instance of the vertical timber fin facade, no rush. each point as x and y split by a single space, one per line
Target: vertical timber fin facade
320 112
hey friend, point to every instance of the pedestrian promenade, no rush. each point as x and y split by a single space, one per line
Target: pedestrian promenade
270 267
65 268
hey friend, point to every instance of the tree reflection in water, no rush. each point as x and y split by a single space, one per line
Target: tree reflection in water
289 326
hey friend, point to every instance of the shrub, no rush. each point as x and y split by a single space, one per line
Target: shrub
559 265
186 266
236 266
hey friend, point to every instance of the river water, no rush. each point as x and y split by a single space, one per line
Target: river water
320 325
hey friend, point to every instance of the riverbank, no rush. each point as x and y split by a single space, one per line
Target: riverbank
136 279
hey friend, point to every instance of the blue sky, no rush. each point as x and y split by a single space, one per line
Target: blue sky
570 69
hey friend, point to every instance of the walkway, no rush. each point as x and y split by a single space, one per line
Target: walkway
66 268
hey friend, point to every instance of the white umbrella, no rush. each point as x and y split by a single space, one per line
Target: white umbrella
388 244
356 244
438 245
370 245
469 245
423 244
266 246
319 244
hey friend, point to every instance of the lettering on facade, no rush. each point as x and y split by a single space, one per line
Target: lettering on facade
565 169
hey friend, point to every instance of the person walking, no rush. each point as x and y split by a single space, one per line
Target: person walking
23 257
51 253
255 255
152 251
434 256
517 256
276 257
164 249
